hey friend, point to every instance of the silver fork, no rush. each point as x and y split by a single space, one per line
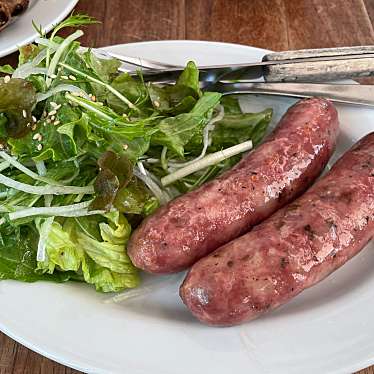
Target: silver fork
341 93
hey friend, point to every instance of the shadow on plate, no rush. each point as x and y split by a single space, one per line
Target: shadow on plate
164 303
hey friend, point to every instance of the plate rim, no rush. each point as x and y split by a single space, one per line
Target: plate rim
69 7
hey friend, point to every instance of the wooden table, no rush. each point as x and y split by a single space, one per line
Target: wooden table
272 24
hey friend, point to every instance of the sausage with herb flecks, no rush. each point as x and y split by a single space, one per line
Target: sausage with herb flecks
294 249
275 173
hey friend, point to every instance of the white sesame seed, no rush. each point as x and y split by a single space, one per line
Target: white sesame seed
33 119
53 118
53 76
28 124
1 146
56 123
6 79
39 147
156 104
71 77
125 146
48 121
52 112
33 127
37 136
24 113
64 77
53 104
44 114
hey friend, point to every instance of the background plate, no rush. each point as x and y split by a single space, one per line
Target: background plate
43 12
327 329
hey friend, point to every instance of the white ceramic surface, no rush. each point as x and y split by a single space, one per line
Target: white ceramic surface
327 329
43 12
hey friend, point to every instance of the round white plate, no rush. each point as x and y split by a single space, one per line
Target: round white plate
46 13
327 329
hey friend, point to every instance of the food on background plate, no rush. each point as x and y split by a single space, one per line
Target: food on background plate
278 171
83 152
10 9
294 249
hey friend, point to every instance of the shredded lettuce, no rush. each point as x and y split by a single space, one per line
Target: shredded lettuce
101 262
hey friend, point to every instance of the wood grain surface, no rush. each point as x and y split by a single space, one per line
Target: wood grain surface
271 24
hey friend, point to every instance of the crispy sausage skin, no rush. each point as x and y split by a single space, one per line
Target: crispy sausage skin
294 249
279 170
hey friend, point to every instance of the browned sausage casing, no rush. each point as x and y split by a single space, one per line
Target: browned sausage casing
279 170
294 249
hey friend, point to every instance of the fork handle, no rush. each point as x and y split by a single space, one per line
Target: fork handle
342 93
313 71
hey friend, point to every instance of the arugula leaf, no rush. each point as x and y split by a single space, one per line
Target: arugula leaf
178 98
238 128
190 78
131 88
171 99
231 105
206 103
104 69
106 121
176 132
135 148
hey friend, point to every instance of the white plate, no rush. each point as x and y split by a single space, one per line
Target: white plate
43 12
327 329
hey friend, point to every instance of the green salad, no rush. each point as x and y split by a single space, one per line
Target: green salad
87 152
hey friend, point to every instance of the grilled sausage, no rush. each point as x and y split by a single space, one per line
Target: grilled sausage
294 249
280 169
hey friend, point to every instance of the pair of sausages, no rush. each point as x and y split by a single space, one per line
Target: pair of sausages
10 9
294 249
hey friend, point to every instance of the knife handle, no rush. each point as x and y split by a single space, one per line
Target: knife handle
313 71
